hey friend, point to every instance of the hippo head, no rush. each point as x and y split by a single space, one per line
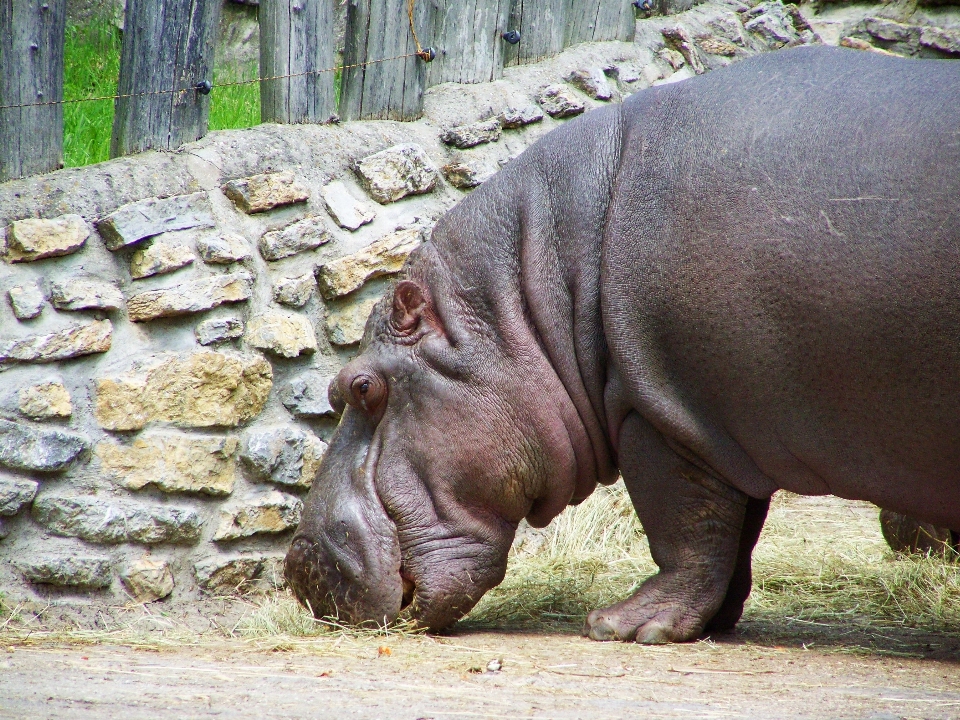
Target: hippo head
452 431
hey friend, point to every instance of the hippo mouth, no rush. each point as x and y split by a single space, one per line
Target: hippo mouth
409 588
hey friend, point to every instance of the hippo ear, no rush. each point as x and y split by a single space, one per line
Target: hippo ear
409 307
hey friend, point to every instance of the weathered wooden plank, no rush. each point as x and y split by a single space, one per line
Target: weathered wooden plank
541 24
31 71
167 49
596 20
375 86
467 37
297 36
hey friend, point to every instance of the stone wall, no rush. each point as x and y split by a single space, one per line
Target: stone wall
169 322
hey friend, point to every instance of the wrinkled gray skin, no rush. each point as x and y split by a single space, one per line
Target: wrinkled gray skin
742 282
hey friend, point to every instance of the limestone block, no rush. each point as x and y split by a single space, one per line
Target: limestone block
190 297
221 575
560 102
34 239
147 580
396 172
294 291
672 57
345 324
591 82
45 400
264 192
217 330
25 447
943 39
884 29
82 293
61 345
306 234
465 173
172 462
772 22
159 258
272 512
26 300
517 117
146 218
344 208
681 41
108 521
282 333
384 257
284 455
83 571
713 45
306 395
478 133
200 389
15 493
223 249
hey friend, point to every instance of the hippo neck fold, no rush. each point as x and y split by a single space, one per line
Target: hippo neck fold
521 255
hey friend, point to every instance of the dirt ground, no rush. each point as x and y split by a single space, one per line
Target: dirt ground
769 668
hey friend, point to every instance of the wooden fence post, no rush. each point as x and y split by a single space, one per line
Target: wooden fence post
31 71
167 49
393 89
297 36
541 24
596 20
467 37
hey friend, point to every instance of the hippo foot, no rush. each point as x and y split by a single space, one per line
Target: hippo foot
655 614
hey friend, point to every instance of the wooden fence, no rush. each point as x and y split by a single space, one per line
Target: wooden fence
393 51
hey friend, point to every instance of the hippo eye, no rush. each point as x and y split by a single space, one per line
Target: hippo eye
367 392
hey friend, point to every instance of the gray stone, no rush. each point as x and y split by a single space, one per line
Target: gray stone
307 234
264 192
344 208
345 324
67 570
147 580
681 41
15 493
102 520
466 173
140 220
672 57
24 447
397 172
227 575
36 239
560 102
81 293
283 454
306 395
591 82
478 133
294 291
217 330
285 334
945 40
45 400
517 117
223 249
26 300
61 345
772 22
190 297
891 31
159 258
272 512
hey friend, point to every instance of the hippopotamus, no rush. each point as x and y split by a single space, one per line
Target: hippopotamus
739 283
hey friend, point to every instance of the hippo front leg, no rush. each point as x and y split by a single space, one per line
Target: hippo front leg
693 523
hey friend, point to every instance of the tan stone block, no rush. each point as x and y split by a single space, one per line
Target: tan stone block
148 580
84 293
345 324
265 192
34 239
272 512
46 400
200 389
282 333
61 345
173 463
190 297
384 257
159 258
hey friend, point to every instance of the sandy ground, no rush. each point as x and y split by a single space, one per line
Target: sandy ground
781 668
